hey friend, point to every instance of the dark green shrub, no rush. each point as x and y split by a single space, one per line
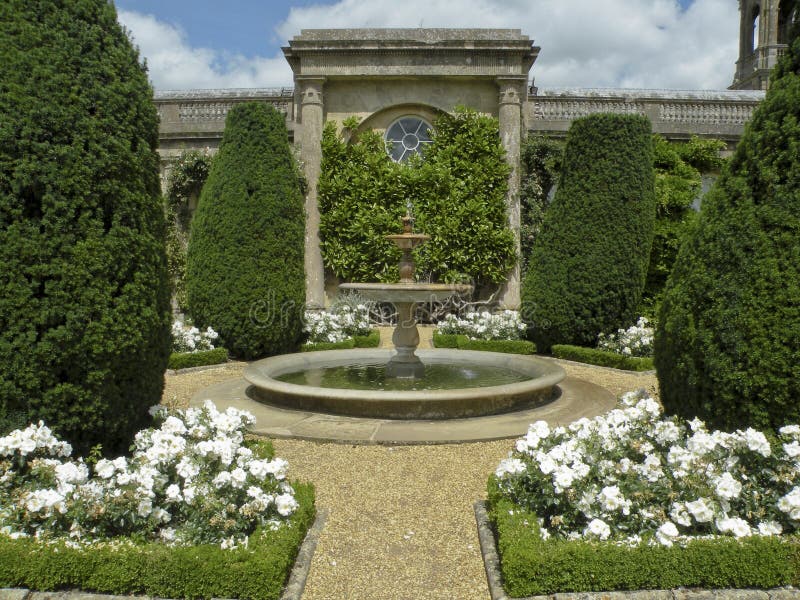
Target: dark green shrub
588 266
462 342
84 300
245 273
458 193
727 340
184 360
540 158
602 358
258 572
532 566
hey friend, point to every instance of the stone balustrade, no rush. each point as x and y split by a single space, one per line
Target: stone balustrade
675 114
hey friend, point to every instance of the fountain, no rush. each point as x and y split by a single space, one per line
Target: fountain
404 383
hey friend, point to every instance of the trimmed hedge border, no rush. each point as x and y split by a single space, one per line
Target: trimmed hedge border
371 340
602 358
257 573
462 342
185 360
531 566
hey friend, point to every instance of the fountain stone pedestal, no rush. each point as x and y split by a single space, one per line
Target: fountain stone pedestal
405 296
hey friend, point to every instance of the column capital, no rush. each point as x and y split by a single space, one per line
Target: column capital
511 89
310 88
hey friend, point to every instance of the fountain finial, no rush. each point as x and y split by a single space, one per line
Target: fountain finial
408 219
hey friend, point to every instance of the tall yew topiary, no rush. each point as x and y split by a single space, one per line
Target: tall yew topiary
727 345
84 303
245 273
587 269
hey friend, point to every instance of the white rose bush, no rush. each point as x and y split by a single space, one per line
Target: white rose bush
505 325
337 325
187 338
635 341
190 481
637 478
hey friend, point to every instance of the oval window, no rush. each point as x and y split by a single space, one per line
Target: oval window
407 136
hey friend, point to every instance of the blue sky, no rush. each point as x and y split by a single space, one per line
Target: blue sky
674 44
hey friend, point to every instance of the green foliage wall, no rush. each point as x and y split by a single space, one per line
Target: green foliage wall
678 168
184 184
726 346
458 193
588 266
84 319
245 275
540 158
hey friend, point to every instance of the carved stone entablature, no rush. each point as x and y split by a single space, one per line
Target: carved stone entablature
410 52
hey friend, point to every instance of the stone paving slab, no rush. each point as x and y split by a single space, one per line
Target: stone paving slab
491 562
578 398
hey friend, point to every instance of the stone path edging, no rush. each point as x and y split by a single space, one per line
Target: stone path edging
491 562
293 590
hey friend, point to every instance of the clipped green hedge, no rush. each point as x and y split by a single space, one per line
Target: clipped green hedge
244 270
462 342
257 573
602 358
728 334
587 270
531 566
371 340
318 346
84 297
184 360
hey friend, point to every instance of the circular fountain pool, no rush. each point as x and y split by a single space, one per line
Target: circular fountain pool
348 382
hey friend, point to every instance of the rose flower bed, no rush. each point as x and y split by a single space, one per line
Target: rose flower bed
194 511
633 500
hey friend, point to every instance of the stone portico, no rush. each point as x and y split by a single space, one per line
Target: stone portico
381 75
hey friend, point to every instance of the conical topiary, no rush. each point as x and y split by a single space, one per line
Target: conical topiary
84 303
728 339
587 269
245 275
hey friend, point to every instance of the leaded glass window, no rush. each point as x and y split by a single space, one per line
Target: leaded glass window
407 136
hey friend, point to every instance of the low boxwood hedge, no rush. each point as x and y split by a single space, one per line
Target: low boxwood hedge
532 566
371 340
462 342
184 360
602 358
258 572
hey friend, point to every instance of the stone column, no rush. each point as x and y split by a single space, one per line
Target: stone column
311 122
512 90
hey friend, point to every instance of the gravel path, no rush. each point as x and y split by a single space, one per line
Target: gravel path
401 525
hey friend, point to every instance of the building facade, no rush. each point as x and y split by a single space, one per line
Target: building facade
393 80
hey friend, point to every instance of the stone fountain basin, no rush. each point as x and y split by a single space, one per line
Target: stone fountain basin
408 292
425 404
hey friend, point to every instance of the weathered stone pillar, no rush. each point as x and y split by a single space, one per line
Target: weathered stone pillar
512 90
311 122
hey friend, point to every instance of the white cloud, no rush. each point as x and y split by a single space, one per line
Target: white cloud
173 64
585 43
613 43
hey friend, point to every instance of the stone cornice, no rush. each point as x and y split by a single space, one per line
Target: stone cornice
411 52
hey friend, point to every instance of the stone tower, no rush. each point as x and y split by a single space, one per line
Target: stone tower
763 33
